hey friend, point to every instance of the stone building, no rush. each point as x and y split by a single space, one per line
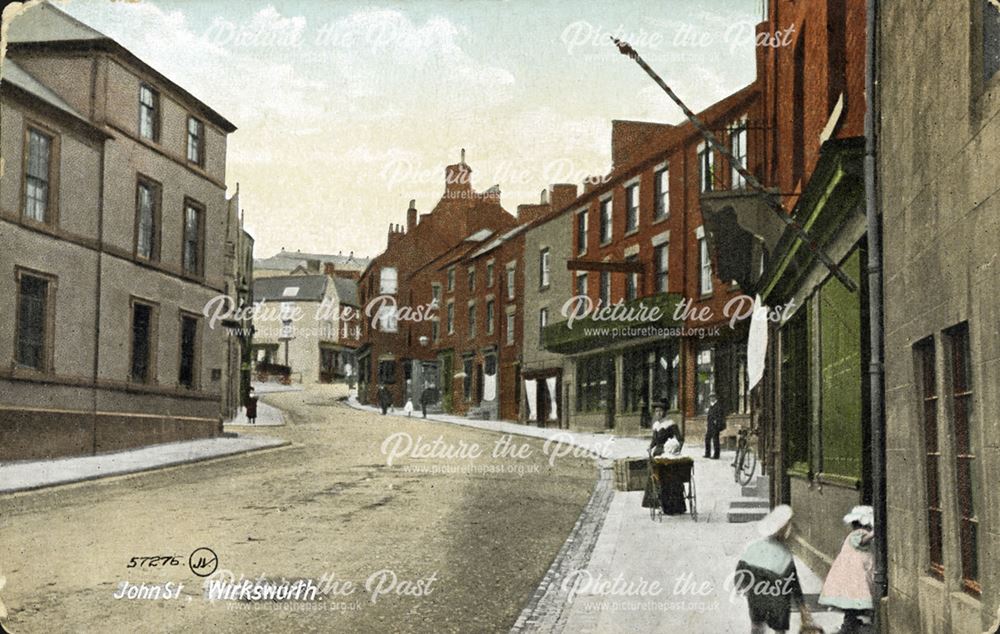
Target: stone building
239 289
939 170
112 196
307 323
289 262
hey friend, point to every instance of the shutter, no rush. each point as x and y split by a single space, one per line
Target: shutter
841 374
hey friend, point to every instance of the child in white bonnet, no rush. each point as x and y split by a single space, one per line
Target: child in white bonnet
672 448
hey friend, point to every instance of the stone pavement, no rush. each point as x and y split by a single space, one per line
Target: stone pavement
615 539
24 476
267 416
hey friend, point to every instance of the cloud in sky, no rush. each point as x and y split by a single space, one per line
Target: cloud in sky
346 110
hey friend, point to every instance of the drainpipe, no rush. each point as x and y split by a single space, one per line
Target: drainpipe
875 303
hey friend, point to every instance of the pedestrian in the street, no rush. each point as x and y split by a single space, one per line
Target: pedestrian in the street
426 398
251 406
408 408
663 429
766 575
715 424
667 441
848 586
384 399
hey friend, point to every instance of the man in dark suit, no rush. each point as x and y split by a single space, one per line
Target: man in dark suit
716 423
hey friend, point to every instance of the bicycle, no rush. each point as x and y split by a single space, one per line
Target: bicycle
745 463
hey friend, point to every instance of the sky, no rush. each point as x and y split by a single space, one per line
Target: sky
347 110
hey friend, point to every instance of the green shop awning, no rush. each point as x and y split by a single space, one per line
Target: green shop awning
834 191
588 333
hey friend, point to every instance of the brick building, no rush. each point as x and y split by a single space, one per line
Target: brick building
391 341
635 237
812 410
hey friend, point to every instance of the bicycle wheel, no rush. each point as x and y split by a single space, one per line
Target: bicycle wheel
738 460
748 466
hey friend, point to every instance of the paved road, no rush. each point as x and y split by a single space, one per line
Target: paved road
473 544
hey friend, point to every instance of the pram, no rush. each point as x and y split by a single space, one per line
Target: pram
676 470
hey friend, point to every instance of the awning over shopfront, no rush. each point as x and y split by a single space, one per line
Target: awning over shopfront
835 191
588 333
755 248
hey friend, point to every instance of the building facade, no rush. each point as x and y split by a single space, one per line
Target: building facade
637 240
113 190
812 405
392 339
941 227
306 323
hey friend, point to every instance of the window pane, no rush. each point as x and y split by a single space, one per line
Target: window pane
631 207
388 281
662 193
192 240
32 322
147 220
189 337
37 177
141 330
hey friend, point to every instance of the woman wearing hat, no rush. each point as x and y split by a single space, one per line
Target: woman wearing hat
667 439
663 429
848 587
766 574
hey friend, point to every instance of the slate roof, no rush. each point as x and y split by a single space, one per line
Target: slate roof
291 288
11 73
347 291
44 27
290 260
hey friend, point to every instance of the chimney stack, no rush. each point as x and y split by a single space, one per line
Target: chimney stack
562 195
411 216
458 179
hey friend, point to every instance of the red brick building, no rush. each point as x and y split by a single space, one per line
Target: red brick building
814 398
391 341
637 237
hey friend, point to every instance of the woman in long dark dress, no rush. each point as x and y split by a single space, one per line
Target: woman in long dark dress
671 481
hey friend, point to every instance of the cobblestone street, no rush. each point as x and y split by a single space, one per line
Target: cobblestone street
327 504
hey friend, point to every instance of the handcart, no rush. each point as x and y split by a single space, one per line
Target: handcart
674 472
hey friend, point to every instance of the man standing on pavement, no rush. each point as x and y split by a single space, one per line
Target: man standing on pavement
715 424
384 399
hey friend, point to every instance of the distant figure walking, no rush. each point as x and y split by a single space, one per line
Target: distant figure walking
251 406
408 408
715 424
384 399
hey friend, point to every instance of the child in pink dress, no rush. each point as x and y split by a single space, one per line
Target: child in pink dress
848 587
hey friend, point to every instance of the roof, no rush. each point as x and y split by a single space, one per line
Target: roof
493 244
672 138
289 260
19 77
347 291
43 26
479 236
292 288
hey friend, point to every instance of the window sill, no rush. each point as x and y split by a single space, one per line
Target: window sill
664 218
607 242
631 232
544 288
705 296
836 480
